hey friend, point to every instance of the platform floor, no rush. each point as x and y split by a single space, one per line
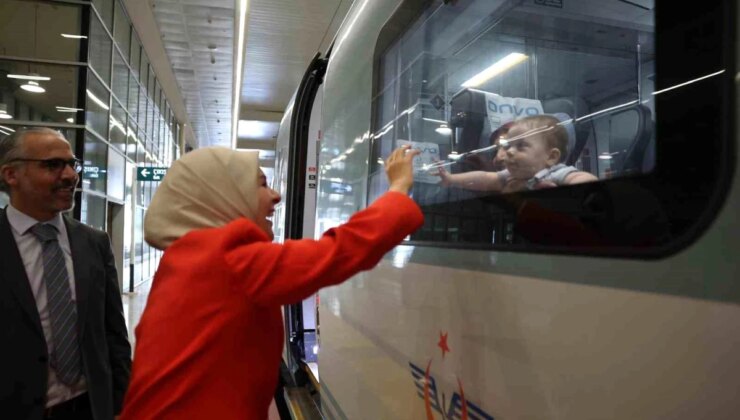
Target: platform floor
133 307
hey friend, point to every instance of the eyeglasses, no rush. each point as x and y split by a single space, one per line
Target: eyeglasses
56 164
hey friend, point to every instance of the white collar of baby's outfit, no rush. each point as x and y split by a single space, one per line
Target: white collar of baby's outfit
539 176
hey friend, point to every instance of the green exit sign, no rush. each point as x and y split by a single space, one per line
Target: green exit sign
150 174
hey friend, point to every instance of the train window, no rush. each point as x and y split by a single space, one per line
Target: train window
555 126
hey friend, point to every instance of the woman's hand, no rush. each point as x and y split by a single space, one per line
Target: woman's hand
399 168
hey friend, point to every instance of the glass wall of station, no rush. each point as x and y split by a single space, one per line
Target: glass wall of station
79 67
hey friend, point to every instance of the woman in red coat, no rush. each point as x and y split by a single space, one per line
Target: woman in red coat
210 339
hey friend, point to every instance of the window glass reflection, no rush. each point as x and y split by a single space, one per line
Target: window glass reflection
93 211
120 78
135 60
100 50
98 106
116 173
94 172
140 152
133 97
497 104
150 84
53 99
132 140
142 109
128 216
122 31
40 30
144 69
105 9
118 123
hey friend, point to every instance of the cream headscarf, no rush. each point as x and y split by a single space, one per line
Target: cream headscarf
208 187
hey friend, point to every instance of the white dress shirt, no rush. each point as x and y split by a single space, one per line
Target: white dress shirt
31 253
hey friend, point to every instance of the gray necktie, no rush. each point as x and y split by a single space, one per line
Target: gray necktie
62 310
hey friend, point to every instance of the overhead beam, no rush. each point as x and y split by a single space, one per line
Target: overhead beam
252 115
256 144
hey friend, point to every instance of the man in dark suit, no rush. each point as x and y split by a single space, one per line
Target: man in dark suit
65 352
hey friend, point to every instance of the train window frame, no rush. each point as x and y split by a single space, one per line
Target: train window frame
676 170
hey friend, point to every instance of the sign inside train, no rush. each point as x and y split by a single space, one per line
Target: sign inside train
150 174
501 109
429 155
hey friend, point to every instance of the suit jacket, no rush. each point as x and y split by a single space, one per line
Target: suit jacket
106 352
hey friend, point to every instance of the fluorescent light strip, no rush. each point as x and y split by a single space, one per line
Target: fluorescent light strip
384 132
97 100
7 128
68 109
658 92
497 68
7 133
117 124
532 132
243 4
74 36
28 77
434 121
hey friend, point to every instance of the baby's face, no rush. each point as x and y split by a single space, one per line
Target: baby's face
528 155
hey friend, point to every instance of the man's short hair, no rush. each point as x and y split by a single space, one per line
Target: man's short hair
11 148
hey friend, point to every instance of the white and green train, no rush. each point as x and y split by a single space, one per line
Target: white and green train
615 299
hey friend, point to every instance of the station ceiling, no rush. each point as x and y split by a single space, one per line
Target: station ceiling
200 38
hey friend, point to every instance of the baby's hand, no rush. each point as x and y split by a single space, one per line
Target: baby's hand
544 184
444 176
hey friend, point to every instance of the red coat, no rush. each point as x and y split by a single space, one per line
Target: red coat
210 339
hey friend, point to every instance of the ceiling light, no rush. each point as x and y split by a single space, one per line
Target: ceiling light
495 69
7 128
28 77
97 100
68 109
70 120
4 112
444 130
243 4
32 86
74 36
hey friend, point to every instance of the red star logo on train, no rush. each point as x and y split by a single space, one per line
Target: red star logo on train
443 344
427 398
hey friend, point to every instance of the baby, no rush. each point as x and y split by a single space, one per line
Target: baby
534 146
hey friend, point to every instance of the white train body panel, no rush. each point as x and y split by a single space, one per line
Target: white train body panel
530 336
